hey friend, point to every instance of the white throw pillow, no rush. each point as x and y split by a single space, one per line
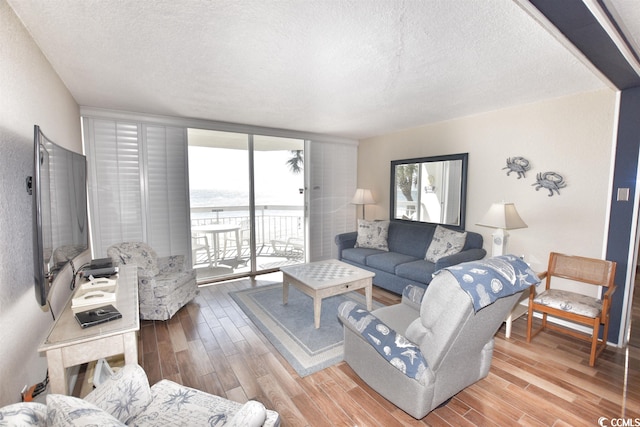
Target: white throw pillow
63 411
445 242
124 394
372 234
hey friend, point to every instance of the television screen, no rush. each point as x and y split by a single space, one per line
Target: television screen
61 230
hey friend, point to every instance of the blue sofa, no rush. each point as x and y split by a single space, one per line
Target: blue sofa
404 264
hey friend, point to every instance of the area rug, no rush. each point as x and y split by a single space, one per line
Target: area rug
290 327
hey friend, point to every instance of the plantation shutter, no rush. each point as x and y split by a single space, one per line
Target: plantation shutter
115 199
332 182
167 189
138 187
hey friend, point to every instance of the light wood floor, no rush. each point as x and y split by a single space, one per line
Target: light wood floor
212 346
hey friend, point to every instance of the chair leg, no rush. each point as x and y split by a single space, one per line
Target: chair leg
529 323
209 256
594 342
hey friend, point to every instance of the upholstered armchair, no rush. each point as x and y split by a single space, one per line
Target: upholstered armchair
164 284
421 352
125 399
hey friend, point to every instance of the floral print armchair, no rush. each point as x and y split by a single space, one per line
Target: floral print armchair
164 284
126 399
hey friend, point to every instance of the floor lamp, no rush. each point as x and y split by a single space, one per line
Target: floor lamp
363 197
501 216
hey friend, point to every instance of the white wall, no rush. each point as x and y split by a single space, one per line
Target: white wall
32 93
571 136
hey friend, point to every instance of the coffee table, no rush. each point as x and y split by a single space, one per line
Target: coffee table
324 279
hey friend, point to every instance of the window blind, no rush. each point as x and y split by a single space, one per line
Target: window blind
332 183
138 188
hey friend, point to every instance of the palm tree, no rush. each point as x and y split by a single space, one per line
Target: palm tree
296 162
406 177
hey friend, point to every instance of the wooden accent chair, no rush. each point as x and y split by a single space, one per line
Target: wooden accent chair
573 306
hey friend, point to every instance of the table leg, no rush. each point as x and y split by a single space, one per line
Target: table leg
216 247
57 372
238 244
368 291
317 310
508 321
130 344
285 291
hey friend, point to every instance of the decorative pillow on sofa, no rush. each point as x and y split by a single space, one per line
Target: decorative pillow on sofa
372 234
445 242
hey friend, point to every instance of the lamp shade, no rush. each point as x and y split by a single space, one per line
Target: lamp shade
502 215
363 197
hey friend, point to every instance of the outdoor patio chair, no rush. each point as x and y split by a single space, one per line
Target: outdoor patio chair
200 243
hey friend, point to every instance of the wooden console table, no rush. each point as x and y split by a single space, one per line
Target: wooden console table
67 344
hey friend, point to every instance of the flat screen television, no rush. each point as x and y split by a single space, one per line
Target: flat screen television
60 220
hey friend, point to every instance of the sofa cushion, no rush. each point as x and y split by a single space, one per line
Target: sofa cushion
71 411
410 239
419 270
388 261
372 234
24 414
124 394
445 242
359 255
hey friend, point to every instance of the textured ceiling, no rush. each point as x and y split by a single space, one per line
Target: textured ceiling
338 67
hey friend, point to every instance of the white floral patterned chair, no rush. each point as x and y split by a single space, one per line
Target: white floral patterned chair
165 285
125 399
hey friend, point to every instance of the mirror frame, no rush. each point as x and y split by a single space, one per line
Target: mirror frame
463 187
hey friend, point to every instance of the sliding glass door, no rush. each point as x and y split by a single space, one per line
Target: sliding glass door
247 203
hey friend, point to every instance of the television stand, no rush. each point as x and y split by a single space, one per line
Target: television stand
67 344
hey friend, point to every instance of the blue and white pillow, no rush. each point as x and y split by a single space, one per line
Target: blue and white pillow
372 235
445 242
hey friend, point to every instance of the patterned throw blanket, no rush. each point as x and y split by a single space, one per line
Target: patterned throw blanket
487 280
394 347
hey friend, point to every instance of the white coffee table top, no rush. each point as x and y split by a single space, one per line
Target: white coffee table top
326 273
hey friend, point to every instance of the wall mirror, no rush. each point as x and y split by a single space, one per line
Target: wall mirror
430 189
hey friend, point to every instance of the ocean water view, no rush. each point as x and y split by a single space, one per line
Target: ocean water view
229 203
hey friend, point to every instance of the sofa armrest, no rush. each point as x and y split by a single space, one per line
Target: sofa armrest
401 353
460 257
346 241
251 414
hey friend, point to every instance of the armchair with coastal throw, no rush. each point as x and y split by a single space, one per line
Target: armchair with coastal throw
165 285
421 352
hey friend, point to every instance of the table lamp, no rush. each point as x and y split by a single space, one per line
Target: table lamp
363 197
501 216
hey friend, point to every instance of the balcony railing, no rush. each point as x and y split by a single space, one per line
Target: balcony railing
274 224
